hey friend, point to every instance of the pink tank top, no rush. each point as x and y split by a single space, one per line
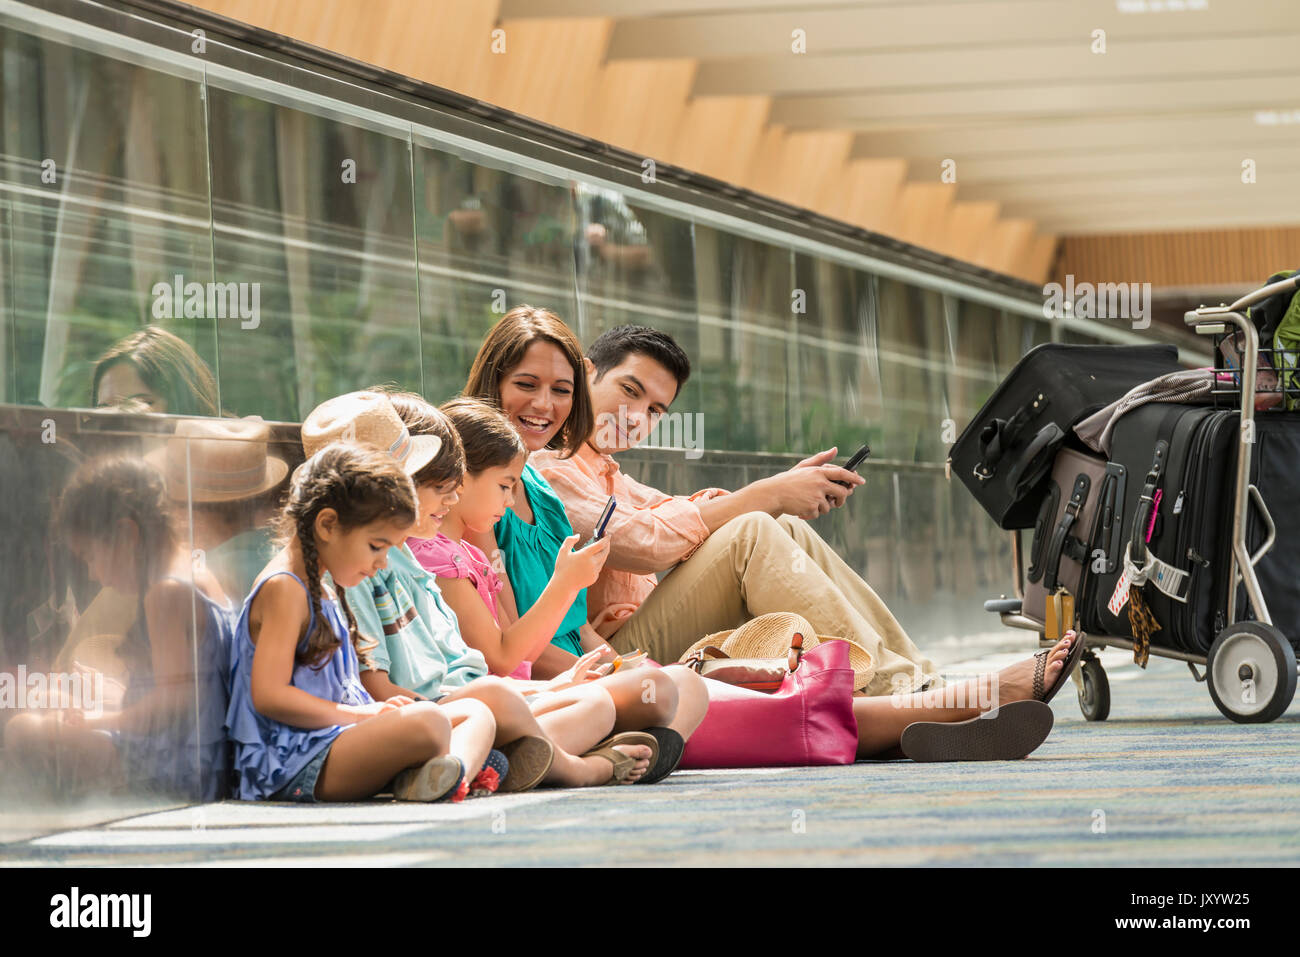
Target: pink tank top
445 558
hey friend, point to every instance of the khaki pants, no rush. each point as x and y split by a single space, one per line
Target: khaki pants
756 564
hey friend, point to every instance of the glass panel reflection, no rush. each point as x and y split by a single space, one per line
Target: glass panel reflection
637 265
745 358
912 350
103 166
312 218
840 398
489 239
130 545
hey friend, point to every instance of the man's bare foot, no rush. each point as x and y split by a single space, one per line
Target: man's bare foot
1016 683
599 770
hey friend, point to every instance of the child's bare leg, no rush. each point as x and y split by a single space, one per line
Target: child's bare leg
57 753
643 698
692 700
573 721
882 719
577 719
514 718
473 730
366 756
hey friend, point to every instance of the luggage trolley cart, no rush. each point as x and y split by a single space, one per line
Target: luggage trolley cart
1244 653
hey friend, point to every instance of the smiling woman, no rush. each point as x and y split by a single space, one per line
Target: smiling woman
531 367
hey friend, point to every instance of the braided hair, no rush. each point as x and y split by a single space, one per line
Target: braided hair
363 486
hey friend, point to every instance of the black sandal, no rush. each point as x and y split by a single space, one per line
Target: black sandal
1008 733
671 749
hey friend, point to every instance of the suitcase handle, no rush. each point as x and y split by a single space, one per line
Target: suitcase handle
1035 460
1001 434
1078 496
1042 530
1146 504
1111 514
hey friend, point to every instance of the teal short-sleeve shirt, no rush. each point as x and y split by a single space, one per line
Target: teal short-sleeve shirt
529 552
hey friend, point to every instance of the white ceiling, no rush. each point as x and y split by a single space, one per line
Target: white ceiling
1150 135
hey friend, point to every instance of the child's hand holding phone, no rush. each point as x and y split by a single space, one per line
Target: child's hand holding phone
580 569
582 670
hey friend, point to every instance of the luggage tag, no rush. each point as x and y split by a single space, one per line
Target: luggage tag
1132 575
1059 614
1168 580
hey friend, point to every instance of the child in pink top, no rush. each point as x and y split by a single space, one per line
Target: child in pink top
494 458
445 558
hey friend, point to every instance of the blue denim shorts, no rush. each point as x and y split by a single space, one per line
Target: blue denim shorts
302 787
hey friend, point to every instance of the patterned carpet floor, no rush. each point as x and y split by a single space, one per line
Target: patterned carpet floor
1165 781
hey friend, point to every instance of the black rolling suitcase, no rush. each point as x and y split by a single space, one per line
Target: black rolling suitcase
1275 471
1184 458
1005 454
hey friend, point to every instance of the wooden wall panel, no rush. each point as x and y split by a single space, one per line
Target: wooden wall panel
1180 259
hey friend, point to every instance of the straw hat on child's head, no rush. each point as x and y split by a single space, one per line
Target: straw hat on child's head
770 636
368 418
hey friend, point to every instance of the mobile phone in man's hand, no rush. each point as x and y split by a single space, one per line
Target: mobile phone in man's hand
854 461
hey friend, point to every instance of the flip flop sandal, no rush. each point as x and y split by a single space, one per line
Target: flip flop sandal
1007 733
434 780
529 760
671 749
623 764
1040 669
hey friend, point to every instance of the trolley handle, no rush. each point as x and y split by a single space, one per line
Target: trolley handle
1291 284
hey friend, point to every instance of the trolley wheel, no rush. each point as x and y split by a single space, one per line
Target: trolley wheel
1094 689
1251 672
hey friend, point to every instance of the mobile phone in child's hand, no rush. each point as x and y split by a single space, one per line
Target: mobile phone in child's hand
634 660
626 662
603 521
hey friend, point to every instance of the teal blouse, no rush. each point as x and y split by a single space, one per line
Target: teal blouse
529 551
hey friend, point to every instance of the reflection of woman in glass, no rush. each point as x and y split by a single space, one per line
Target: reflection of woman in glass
151 735
156 371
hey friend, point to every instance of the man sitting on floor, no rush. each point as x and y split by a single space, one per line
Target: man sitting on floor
737 554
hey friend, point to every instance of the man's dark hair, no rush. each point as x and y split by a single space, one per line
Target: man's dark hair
612 347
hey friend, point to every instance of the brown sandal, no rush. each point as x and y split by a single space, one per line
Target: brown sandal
530 759
1077 644
623 764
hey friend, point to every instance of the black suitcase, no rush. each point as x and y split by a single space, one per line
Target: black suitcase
1185 457
1275 471
1005 454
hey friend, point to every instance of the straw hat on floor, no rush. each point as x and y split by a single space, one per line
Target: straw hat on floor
769 636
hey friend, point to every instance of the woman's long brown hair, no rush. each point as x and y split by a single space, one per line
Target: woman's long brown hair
168 365
504 349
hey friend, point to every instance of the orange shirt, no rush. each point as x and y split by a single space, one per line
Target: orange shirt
649 531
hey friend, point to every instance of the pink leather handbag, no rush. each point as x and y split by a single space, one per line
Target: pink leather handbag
807 721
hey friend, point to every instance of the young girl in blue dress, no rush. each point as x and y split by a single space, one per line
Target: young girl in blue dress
304 727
